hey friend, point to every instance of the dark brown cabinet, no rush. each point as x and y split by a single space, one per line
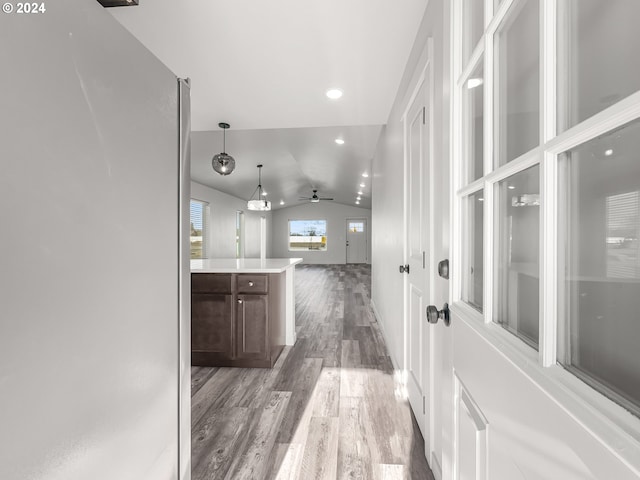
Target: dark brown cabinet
237 319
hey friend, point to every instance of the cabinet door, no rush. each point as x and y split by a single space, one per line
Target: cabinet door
211 327
252 326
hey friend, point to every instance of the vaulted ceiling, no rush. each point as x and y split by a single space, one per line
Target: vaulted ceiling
264 67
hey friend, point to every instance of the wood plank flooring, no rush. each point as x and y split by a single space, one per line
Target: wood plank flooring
330 407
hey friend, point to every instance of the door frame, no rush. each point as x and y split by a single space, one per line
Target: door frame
366 243
424 73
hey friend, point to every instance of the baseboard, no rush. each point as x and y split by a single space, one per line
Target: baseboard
435 467
396 366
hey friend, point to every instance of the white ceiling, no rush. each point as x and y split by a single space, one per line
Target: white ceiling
264 67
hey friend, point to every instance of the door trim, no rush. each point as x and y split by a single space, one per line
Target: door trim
426 75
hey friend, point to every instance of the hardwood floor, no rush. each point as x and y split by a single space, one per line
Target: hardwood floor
329 409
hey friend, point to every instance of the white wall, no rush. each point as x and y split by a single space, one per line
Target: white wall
222 223
89 250
336 216
387 212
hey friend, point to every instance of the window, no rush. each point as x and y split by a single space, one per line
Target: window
598 50
559 116
199 213
356 227
307 235
600 278
473 269
474 124
517 81
517 246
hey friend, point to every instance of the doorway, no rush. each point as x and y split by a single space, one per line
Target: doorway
357 240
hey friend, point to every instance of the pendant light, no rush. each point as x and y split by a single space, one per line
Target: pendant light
260 204
223 163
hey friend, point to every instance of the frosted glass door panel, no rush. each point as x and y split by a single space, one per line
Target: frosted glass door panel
517 82
597 56
601 278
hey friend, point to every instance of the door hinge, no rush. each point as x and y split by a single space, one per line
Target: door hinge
424 115
424 408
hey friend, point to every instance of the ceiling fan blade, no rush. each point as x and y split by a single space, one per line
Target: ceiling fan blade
325 198
304 198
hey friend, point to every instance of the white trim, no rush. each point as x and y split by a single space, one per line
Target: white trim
524 161
609 119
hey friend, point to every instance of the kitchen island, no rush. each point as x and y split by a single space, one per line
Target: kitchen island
242 310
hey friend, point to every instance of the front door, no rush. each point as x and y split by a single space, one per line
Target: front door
356 240
416 254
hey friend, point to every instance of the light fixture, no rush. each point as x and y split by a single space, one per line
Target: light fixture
334 93
474 82
259 204
264 194
608 152
360 192
358 198
223 163
481 199
357 202
365 174
362 185
511 187
339 141
281 202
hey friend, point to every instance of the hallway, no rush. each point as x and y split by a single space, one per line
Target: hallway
330 408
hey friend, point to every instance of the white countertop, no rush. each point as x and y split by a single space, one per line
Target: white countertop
243 265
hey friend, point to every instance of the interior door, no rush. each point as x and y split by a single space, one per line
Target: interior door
416 254
356 240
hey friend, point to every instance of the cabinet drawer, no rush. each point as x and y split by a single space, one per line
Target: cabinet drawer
252 283
211 283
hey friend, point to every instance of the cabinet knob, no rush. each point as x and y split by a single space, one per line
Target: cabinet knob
251 284
239 301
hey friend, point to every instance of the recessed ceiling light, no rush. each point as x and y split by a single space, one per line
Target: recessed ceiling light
334 93
365 174
481 199
339 141
608 152
511 187
362 185
357 202
281 202
358 198
474 82
360 192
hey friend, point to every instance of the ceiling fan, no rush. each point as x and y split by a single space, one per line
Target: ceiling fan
315 198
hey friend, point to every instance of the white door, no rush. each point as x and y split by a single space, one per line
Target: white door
542 368
417 283
356 240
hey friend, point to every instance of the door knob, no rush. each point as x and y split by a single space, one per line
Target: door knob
251 284
404 268
433 314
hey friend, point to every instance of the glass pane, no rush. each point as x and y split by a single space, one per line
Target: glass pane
473 118
600 281
356 227
473 266
517 85
517 254
597 56
307 235
198 214
472 26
